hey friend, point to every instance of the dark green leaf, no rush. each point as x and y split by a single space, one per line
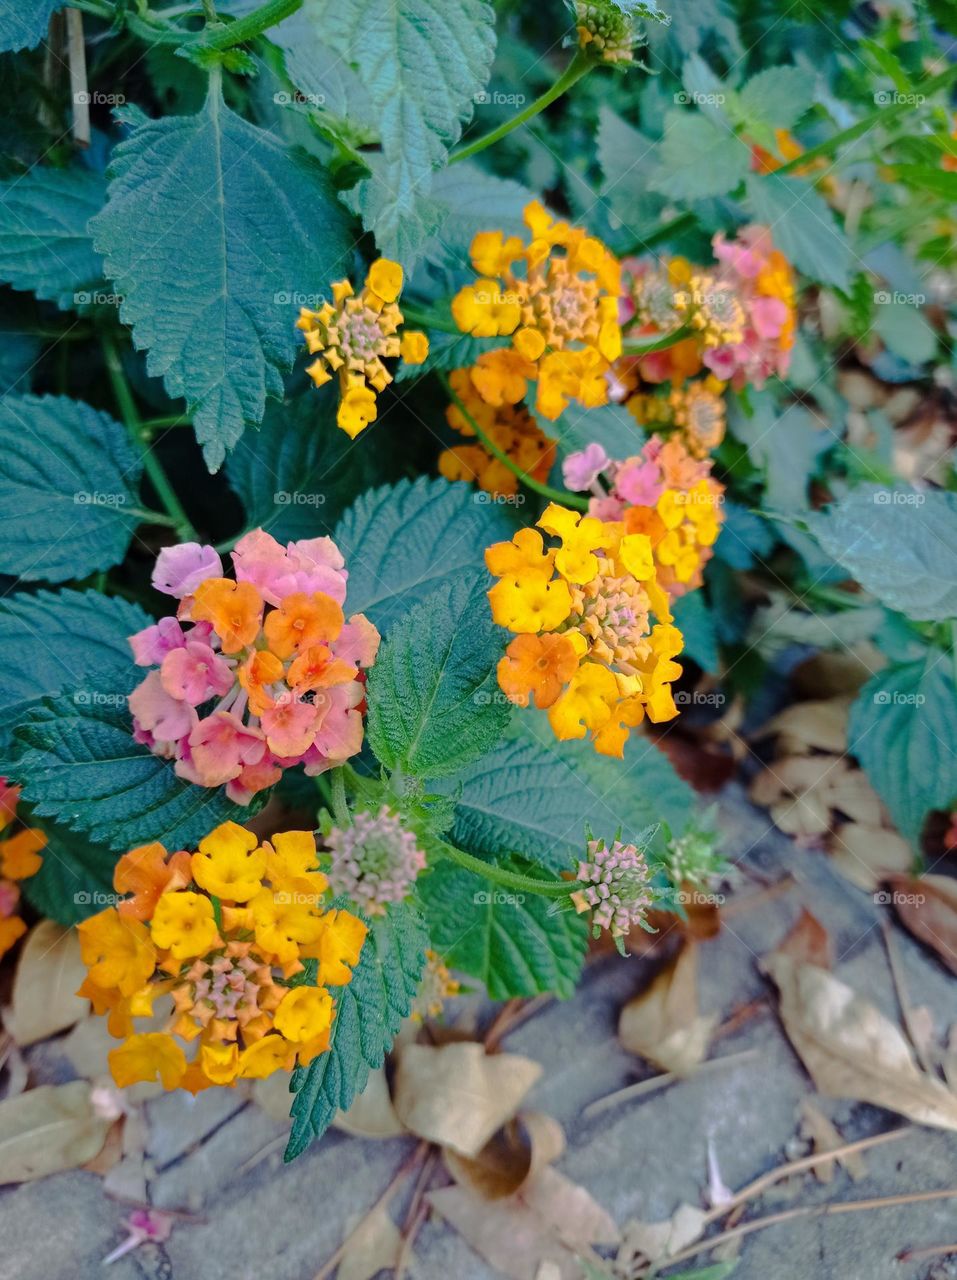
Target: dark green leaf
45 247
24 23
369 1012
699 158
803 227
694 620
76 879
68 474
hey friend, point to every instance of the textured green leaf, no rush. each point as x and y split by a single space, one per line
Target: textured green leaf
296 473
76 879
423 62
24 23
535 796
68 473
699 158
211 228
899 544
471 201
902 731
434 702
45 246
369 1012
776 97
695 621
625 156
610 425
803 227
512 942
78 763
402 541
76 640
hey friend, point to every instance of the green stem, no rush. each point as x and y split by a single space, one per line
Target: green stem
579 66
127 405
340 806
247 28
499 875
639 348
553 495
169 420
428 319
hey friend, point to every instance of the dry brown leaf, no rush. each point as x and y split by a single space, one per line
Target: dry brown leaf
850 1049
374 1246
824 1137
662 1024
47 1130
48 973
457 1095
808 941
928 908
808 726
574 1213
850 792
515 1155
656 1241
372 1115
864 854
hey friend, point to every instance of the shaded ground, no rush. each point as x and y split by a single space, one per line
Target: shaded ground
257 1218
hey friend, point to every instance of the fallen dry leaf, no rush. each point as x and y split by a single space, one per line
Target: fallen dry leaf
850 1049
372 1115
808 941
808 726
927 906
662 1024
824 1137
656 1241
457 1095
48 973
864 854
49 1129
515 1155
374 1246
572 1210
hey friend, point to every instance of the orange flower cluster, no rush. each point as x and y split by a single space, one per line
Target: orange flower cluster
220 937
585 645
510 426
19 858
560 309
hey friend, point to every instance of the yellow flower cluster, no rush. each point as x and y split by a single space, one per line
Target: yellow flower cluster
694 411
510 426
353 334
560 310
19 858
217 936
585 645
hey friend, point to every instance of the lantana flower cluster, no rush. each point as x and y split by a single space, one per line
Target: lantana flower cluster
585 647
663 492
353 334
557 299
19 859
510 426
257 673
374 861
615 887
209 946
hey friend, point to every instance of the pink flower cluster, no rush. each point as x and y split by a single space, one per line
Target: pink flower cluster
253 674
638 481
763 283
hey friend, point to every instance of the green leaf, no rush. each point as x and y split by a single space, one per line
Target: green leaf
76 879
803 227
694 620
402 541
610 425
625 155
434 702
78 763
776 97
75 640
68 473
535 796
369 1012
23 25
296 473
45 247
904 330
447 351
699 158
902 730
786 444
512 942
900 545
236 223
471 201
423 62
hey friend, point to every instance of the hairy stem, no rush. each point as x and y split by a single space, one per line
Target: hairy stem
579 66
554 495
250 26
507 879
340 806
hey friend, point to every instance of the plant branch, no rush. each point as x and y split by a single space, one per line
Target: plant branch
428 319
579 66
662 343
499 875
340 806
554 495
151 464
247 28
